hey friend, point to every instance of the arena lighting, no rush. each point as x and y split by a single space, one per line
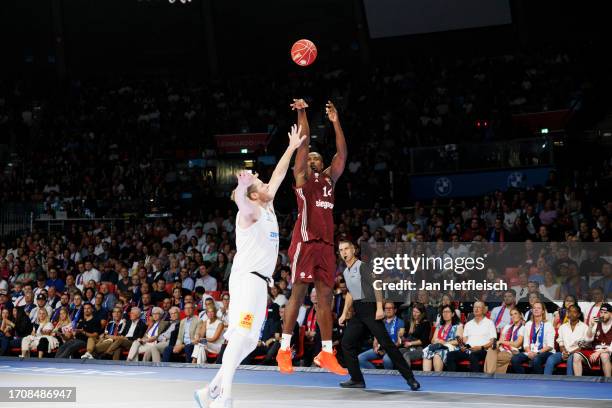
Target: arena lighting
244 151
182 1
544 131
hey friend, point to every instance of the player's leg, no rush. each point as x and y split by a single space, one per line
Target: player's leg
283 357
324 276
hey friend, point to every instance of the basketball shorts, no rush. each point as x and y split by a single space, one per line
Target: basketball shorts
313 261
248 304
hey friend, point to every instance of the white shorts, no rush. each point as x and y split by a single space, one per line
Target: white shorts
248 304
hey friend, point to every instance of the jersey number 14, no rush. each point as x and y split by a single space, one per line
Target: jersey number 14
326 192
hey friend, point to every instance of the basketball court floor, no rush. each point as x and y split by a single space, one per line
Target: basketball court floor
106 384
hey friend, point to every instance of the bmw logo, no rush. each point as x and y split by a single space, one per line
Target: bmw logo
443 186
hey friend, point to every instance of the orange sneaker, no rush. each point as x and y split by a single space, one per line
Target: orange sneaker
329 362
283 358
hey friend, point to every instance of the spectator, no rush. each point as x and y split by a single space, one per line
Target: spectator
205 280
133 329
571 334
42 331
446 300
478 335
443 340
88 326
187 335
538 343
156 326
500 315
561 316
510 341
209 336
167 338
277 297
600 335
7 329
41 303
416 338
597 296
395 328
111 331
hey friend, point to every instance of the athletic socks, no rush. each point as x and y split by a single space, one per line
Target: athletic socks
326 345
286 342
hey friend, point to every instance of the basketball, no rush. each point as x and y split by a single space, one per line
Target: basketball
303 52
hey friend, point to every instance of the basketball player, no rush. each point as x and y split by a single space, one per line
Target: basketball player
254 262
312 251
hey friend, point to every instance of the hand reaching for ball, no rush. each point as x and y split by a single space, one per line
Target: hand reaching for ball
332 113
245 178
298 104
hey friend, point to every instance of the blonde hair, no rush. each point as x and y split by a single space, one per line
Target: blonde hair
544 311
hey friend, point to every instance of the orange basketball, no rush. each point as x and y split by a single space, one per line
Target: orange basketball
303 52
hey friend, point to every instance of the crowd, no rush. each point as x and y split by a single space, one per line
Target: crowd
156 289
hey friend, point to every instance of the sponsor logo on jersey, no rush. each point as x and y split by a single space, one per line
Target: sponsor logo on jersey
324 204
273 235
246 320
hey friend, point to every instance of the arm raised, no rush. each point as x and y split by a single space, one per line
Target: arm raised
301 158
296 139
339 161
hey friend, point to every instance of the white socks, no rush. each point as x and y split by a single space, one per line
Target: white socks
326 345
286 342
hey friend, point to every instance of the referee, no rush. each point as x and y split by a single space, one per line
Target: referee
367 317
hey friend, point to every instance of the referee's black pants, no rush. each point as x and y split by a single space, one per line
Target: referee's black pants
363 321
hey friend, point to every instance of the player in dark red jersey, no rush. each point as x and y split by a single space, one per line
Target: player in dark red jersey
312 252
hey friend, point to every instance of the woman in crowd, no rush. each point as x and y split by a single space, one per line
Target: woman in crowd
570 335
560 316
416 336
444 339
538 342
7 329
211 337
445 301
510 341
277 296
41 337
62 326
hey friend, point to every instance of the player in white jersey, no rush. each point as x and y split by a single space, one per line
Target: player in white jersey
254 262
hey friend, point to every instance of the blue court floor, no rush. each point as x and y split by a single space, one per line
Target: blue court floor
105 384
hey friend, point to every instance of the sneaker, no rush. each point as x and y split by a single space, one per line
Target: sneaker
86 356
222 403
328 361
204 397
283 358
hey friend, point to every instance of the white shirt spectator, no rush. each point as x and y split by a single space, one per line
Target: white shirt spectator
549 336
3 285
92 274
208 283
188 233
509 218
458 251
569 339
228 225
34 313
479 334
280 299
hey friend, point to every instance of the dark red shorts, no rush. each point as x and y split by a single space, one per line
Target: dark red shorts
313 261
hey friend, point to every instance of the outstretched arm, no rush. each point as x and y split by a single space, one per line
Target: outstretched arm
296 138
249 213
339 161
301 158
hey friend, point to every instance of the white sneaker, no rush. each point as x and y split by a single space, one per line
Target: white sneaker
204 396
222 403
86 355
